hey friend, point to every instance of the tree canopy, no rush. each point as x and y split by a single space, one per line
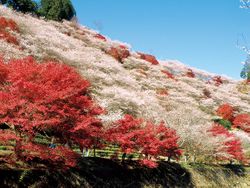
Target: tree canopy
52 10
21 5
57 9
245 73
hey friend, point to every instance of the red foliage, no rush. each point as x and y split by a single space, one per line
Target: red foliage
218 80
101 37
190 73
232 145
234 148
59 157
168 74
7 25
149 58
8 37
226 111
123 47
124 52
119 53
163 92
136 135
148 163
217 129
3 71
48 97
6 136
242 121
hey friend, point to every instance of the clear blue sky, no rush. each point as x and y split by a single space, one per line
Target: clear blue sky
200 33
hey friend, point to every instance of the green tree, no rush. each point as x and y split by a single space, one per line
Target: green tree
245 73
57 9
21 5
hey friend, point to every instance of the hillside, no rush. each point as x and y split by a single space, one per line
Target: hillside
127 82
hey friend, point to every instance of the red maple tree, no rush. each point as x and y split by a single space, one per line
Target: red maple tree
150 58
242 121
232 145
47 99
119 53
149 140
217 80
226 111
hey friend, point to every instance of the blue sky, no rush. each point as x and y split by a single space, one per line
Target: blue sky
200 33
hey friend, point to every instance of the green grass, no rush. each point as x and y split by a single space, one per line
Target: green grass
3 148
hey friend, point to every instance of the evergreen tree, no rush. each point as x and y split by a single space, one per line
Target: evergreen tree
21 5
57 9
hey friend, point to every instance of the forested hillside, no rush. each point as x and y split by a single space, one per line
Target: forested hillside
68 92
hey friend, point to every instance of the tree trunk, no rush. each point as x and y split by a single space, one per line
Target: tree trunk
123 157
169 158
94 152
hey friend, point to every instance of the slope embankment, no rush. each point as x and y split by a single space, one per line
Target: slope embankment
97 172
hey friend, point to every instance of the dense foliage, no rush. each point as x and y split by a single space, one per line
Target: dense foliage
231 119
46 99
57 9
232 146
53 10
7 26
147 57
21 5
50 100
226 111
242 121
149 140
190 73
245 73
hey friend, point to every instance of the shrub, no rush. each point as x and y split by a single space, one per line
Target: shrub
226 111
244 87
7 25
162 92
232 146
206 93
118 53
168 74
51 99
242 121
149 58
101 37
225 123
218 80
190 73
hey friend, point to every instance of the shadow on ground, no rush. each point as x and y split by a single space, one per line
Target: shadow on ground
97 172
